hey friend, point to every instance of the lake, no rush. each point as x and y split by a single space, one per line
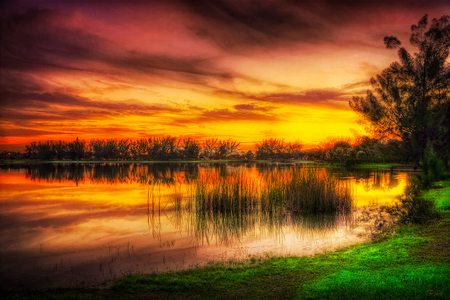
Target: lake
84 224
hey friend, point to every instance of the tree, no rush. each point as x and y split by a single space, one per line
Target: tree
228 147
249 155
269 148
294 149
210 147
335 141
411 98
76 149
190 148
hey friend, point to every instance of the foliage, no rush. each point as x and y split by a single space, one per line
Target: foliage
433 168
411 98
273 148
156 148
413 208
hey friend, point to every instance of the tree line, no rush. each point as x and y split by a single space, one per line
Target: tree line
157 148
365 149
153 148
344 150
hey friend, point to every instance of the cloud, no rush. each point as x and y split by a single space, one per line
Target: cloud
331 96
252 107
58 106
9 132
239 113
39 39
249 25
360 84
239 25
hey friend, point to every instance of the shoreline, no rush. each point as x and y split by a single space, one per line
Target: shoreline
412 263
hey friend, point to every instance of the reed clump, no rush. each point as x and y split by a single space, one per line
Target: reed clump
300 190
236 192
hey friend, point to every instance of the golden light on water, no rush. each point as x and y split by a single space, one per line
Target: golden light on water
51 218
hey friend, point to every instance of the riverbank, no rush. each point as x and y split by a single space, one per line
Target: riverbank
414 263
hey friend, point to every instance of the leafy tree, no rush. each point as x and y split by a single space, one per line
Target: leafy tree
139 149
228 147
76 149
411 97
123 146
249 155
269 148
361 155
294 149
210 147
60 148
163 148
190 148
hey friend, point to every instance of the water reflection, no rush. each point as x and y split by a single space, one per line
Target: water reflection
79 224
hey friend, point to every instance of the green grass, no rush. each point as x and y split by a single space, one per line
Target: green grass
376 166
360 166
440 196
414 263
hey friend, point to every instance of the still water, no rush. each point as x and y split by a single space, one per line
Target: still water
84 224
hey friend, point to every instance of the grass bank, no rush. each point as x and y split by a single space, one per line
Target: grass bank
361 166
414 263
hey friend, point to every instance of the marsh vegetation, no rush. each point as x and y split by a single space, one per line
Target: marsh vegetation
153 218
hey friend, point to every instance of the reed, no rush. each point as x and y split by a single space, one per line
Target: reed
236 192
300 190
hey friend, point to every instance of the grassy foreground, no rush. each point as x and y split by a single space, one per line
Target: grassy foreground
414 263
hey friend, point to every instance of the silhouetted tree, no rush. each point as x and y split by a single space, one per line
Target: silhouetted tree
294 149
210 147
190 148
76 149
269 148
411 97
228 147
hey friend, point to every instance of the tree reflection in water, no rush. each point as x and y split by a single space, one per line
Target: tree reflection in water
84 213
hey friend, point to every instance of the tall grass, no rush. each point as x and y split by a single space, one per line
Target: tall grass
237 192
301 190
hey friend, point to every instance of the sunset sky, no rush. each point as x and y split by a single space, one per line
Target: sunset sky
246 70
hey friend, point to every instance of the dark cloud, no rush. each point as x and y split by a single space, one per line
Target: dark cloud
44 100
360 84
39 39
333 97
238 25
20 108
252 107
241 112
242 26
10 132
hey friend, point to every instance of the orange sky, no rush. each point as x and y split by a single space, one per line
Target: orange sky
246 70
